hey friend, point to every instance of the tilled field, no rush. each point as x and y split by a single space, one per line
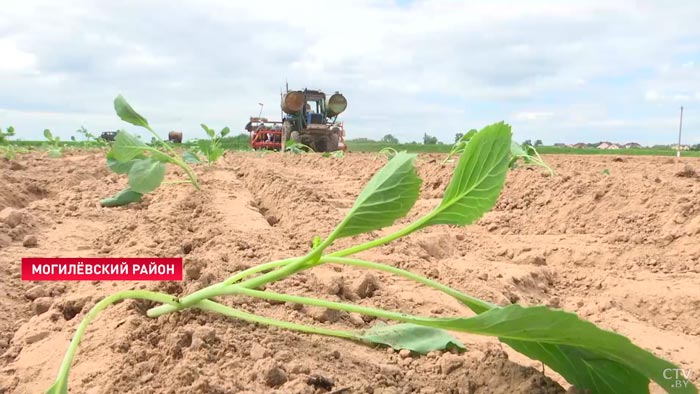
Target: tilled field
620 250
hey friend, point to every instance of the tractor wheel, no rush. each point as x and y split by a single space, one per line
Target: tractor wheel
321 144
333 141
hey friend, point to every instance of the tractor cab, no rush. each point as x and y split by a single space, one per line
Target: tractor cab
313 112
315 107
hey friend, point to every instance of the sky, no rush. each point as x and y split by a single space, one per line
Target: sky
559 71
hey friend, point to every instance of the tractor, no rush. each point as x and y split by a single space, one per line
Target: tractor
308 118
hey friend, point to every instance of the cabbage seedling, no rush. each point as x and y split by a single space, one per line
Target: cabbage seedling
143 164
528 154
338 154
90 140
9 150
460 145
211 149
587 356
389 152
297 147
55 149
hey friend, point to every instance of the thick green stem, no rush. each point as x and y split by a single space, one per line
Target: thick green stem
189 172
268 295
176 159
168 147
212 306
288 267
293 266
385 239
258 268
214 290
61 384
475 304
175 182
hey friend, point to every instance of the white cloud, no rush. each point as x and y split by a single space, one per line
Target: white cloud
534 116
562 70
13 59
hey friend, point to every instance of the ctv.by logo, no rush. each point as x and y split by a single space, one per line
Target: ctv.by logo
679 376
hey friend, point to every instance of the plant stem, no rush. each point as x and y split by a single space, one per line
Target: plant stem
175 182
188 170
289 267
168 147
61 384
259 268
475 304
176 159
299 264
214 290
402 317
385 239
212 306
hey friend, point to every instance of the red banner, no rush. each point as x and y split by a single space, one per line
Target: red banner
98 268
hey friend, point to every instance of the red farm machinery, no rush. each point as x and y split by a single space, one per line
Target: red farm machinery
308 118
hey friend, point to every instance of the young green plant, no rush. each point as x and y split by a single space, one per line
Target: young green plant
8 149
529 156
144 165
338 154
587 356
54 144
389 152
296 147
211 149
460 145
526 154
89 140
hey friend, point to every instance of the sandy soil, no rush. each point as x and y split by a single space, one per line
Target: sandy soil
620 250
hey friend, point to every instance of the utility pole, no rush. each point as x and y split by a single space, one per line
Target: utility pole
680 128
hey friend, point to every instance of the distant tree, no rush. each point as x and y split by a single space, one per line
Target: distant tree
9 133
695 147
538 143
527 142
458 136
429 140
390 139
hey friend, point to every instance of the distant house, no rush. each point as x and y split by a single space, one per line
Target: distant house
580 145
632 145
608 145
560 145
682 147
